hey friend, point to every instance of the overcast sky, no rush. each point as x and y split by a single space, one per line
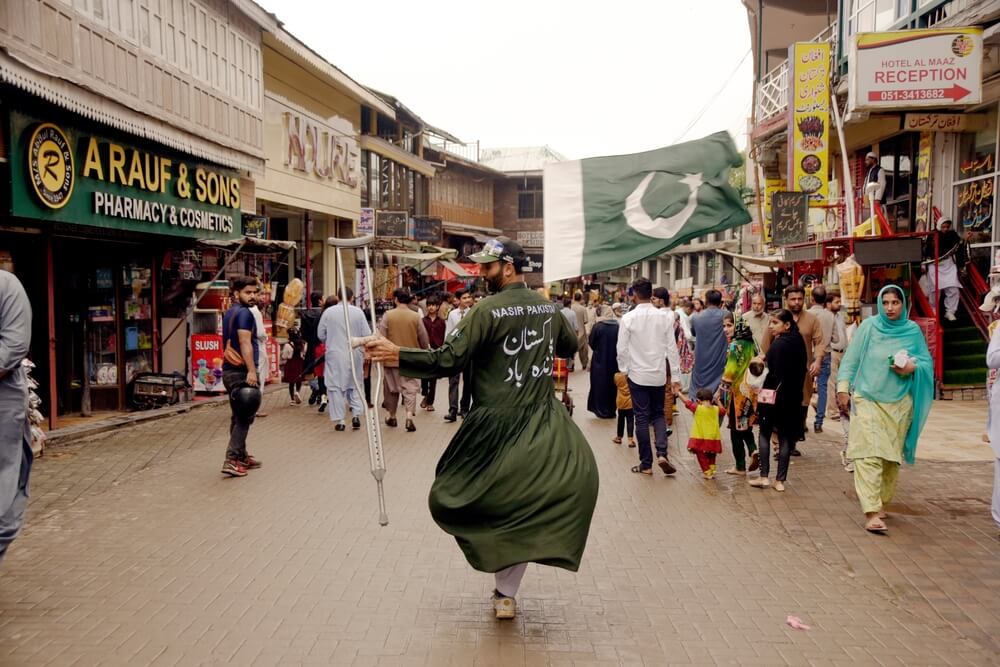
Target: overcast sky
587 78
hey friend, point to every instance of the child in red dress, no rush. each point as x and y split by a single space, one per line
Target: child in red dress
706 437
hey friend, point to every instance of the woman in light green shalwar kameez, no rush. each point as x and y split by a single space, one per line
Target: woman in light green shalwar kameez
889 395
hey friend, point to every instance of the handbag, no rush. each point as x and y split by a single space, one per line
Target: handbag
232 356
768 396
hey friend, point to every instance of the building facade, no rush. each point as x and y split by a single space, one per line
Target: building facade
131 131
518 199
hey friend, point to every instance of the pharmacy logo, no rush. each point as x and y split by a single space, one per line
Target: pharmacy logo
50 165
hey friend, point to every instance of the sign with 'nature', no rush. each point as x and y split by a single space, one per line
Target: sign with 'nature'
64 173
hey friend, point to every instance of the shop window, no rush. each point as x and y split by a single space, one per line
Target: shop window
694 271
975 182
364 178
529 199
875 15
897 157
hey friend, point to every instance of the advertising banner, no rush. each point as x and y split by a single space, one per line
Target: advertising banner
771 186
206 363
366 222
906 69
924 181
67 173
809 119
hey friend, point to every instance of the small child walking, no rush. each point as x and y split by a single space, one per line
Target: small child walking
706 437
292 353
626 417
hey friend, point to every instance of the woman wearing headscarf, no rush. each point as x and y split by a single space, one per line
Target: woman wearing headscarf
603 364
740 405
952 255
886 378
786 363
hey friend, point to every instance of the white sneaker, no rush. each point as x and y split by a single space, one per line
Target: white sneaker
760 482
504 607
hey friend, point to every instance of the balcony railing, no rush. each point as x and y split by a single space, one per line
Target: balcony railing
772 91
469 151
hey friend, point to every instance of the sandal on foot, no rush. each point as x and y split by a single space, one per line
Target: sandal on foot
616 440
639 471
734 471
631 443
754 462
877 526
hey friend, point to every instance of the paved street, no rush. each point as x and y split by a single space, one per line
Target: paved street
138 552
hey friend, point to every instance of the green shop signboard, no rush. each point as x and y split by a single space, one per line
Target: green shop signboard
66 174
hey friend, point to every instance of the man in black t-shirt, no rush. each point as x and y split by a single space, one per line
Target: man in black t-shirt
239 369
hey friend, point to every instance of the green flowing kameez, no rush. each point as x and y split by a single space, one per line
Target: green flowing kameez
518 482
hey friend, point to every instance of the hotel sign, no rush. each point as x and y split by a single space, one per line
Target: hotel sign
903 69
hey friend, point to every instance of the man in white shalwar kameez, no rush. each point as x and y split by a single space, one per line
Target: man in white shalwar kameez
952 253
340 388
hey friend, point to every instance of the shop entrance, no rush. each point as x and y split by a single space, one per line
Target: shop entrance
105 314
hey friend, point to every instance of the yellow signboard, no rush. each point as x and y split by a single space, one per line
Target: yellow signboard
809 120
771 186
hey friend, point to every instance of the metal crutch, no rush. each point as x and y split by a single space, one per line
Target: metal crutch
372 427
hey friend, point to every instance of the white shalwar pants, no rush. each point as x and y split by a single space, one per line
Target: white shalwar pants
338 401
949 285
509 578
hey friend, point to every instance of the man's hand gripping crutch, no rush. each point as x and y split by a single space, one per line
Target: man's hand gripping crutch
372 426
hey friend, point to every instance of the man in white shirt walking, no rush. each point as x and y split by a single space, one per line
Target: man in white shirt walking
646 345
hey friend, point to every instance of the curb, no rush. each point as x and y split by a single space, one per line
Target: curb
64 436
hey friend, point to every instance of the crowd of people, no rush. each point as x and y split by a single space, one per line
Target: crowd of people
763 371
315 358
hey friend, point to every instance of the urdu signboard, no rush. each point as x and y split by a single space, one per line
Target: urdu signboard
904 69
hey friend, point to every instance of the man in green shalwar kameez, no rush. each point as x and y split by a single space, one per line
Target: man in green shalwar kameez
518 483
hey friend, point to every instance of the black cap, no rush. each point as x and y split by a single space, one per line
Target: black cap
501 249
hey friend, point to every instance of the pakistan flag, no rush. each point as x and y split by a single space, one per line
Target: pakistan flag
604 213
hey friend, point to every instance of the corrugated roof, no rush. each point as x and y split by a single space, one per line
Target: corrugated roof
519 159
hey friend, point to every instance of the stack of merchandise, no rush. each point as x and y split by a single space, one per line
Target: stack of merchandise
35 417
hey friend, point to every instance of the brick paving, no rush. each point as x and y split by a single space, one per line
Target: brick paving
138 552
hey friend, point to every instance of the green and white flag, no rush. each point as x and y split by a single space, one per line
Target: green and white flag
604 213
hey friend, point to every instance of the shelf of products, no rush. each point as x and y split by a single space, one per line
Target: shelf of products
137 306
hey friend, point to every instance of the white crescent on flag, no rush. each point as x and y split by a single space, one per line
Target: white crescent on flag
660 228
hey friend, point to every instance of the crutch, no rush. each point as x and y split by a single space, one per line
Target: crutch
372 427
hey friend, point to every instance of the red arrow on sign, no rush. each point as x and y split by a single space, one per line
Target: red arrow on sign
955 93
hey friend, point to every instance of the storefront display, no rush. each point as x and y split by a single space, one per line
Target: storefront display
113 213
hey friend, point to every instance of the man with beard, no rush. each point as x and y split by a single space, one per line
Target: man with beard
458 407
518 482
603 364
239 370
952 257
812 334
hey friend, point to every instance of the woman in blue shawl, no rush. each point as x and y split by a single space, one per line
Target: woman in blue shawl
887 380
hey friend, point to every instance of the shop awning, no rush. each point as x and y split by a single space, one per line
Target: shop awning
397 154
756 263
249 244
481 234
455 269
